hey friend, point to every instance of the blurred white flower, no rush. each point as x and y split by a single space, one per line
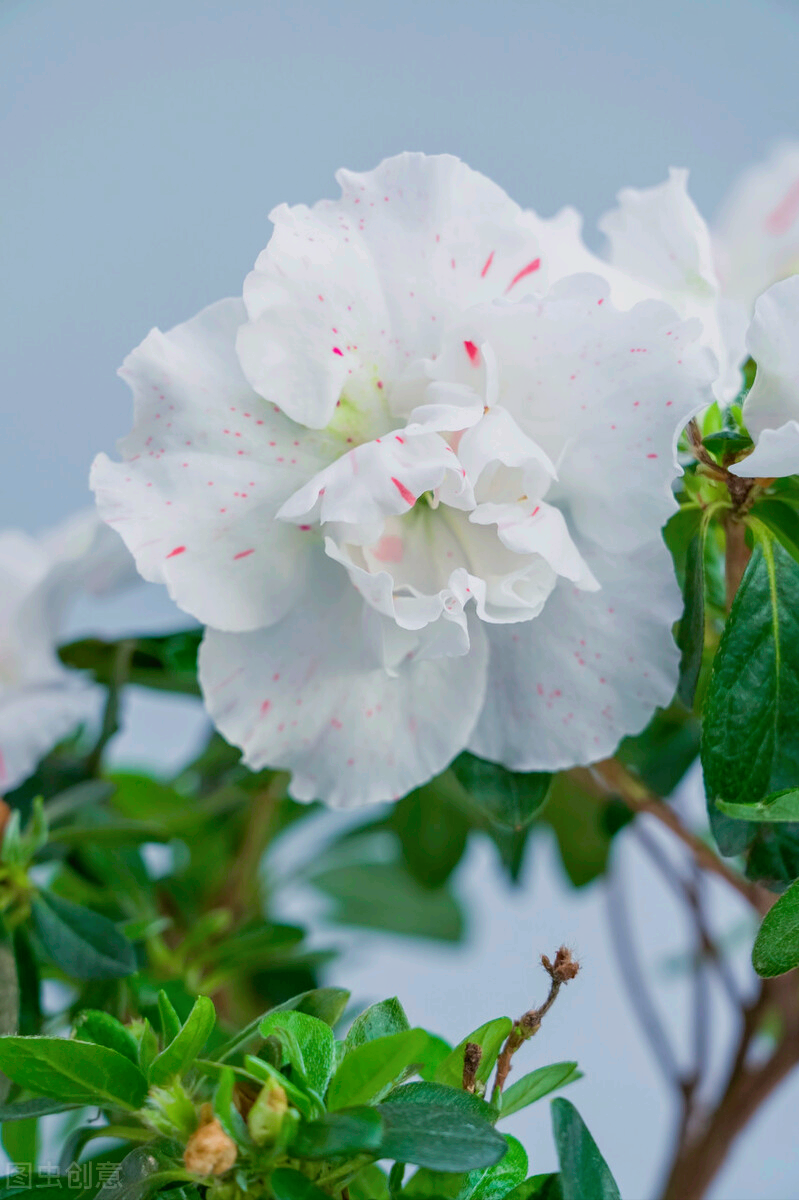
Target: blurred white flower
771 409
40 701
421 507
658 237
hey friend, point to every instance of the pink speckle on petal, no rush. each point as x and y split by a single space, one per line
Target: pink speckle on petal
528 270
487 266
178 550
407 495
783 216
473 352
244 553
340 353
334 721
651 455
389 549
266 705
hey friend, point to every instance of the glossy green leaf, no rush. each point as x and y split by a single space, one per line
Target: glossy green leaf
179 1055
369 1070
370 1183
91 1025
443 1096
72 1071
583 1170
498 1180
749 743
780 806
432 833
23 1110
387 1016
579 825
538 1187
510 799
291 1185
354 1131
782 520
82 943
443 1139
776 948
538 1083
326 1003
314 1039
490 1037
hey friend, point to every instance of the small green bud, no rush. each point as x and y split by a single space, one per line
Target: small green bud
266 1116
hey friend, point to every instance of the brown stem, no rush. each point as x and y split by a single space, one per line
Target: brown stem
561 971
613 779
701 1154
736 557
471 1061
240 893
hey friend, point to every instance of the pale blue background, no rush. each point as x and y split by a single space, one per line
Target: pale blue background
144 144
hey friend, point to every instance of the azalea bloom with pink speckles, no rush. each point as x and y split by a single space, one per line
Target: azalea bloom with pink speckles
414 484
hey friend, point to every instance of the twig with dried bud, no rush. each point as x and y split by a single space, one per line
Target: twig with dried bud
561 971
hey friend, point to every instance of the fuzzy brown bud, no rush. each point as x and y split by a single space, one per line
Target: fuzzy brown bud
209 1150
564 967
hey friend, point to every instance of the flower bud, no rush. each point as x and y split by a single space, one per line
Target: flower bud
209 1150
266 1115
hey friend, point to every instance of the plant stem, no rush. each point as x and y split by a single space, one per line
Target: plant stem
611 778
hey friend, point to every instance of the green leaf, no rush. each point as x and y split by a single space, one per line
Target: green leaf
779 806
749 743
23 1110
387 1016
691 633
91 1025
315 1041
21 1140
142 1173
579 825
226 1112
510 799
263 1072
168 662
432 833
538 1187
782 520
370 1069
665 751
583 1170
181 1053
170 1021
498 1180
291 1185
355 1131
384 896
443 1096
82 943
369 1184
442 1139
490 1037
76 1072
538 1083
326 1003
776 948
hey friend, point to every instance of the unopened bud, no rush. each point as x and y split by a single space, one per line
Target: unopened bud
265 1118
564 967
209 1150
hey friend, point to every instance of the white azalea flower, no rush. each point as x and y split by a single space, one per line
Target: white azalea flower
40 701
771 409
658 237
421 507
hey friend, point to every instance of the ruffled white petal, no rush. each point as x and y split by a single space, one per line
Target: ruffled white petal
757 234
771 410
311 695
565 688
348 292
658 236
204 472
